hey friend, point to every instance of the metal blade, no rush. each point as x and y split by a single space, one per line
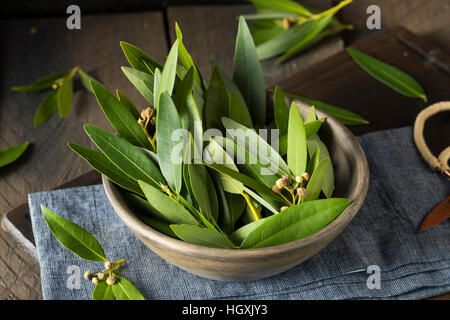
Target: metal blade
439 214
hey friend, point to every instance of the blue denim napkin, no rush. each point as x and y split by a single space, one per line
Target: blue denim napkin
384 233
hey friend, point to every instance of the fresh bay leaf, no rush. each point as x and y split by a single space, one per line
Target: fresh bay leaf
185 58
172 211
313 29
43 83
142 205
315 143
168 74
256 146
344 116
156 80
167 123
120 117
11 154
311 115
159 225
389 75
65 96
216 102
143 82
296 222
128 104
74 237
316 181
125 290
282 6
201 236
281 111
204 191
236 206
102 164
86 80
311 128
103 291
248 75
297 149
46 109
129 158
137 58
313 162
240 234
238 111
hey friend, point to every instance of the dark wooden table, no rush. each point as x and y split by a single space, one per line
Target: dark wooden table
95 48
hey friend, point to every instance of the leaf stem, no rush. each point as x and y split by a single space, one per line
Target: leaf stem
255 213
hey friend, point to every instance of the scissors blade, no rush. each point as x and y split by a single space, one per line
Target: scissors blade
439 214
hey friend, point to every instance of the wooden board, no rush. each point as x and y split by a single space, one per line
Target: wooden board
338 80
48 162
208 31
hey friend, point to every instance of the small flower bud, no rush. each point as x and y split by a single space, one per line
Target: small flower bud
301 192
145 113
276 189
108 265
305 176
88 275
100 275
298 179
54 86
95 280
141 123
280 183
153 121
283 208
286 179
111 280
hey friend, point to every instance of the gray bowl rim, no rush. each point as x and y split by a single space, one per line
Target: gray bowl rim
125 213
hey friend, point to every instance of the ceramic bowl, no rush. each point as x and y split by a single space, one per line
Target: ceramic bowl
351 181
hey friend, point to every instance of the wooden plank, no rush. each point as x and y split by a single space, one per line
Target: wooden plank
212 31
339 81
53 47
429 19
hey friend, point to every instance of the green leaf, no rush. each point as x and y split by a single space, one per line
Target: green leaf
156 80
269 15
185 58
11 154
248 75
284 6
74 237
389 75
296 150
167 207
296 222
263 35
119 116
103 291
311 116
137 58
231 87
240 234
128 104
167 122
315 183
238 111
281 111
102 164
143 82
201 236
86 80
313 162
65 95
311 31
311 128
256 146
43 83
125 290
46 109
344 116
169 73
315 143
236 206
216 103
130 159
204 191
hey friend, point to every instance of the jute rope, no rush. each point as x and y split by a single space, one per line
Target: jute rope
441 162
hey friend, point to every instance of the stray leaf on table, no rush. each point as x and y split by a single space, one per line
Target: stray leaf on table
65 95
47 108
389 75
85 80
11 154
43 83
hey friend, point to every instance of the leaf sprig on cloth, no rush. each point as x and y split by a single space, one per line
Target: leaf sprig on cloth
285 28
61 94
109 284
216 191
